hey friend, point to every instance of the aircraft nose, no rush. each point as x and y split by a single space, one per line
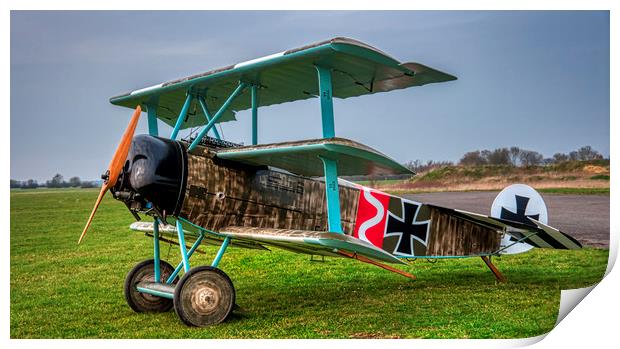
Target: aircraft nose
155 172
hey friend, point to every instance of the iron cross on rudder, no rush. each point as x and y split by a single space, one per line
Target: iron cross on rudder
520 215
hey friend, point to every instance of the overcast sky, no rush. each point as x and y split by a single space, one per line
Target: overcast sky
537 80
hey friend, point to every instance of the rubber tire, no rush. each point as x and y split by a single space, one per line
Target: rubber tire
197 288
146 303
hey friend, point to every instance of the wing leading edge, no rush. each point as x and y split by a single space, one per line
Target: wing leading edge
303 157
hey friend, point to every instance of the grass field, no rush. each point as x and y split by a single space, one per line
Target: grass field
62 290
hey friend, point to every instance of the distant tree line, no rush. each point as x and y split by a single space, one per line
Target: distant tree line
513 156
56 182
516 156
418 166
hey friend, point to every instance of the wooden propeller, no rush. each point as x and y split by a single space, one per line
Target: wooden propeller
116 165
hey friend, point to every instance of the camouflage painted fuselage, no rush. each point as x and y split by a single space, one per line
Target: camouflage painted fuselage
221 194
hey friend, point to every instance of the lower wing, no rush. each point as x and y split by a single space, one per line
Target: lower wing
300 241
310 242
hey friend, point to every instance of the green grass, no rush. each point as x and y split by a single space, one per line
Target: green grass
601 177
576 191
62 290
381 182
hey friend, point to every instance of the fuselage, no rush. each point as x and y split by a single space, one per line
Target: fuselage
162 176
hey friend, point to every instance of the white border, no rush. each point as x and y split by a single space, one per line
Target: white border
590 324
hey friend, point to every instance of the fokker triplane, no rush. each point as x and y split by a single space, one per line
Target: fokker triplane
288 195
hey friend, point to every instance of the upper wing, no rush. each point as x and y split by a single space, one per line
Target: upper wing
357 69
536 234
303 157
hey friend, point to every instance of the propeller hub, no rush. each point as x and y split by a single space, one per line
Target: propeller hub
105 176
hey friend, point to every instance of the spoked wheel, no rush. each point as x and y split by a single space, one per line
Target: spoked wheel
204 296
145 272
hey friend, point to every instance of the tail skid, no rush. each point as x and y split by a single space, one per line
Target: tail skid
498 275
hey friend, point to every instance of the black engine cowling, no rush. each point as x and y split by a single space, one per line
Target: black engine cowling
155 172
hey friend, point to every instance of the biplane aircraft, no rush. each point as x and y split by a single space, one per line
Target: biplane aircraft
286 195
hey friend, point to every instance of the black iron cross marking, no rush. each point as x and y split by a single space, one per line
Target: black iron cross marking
407 229
520 215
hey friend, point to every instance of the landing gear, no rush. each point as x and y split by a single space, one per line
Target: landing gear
498 275
143 302
204 296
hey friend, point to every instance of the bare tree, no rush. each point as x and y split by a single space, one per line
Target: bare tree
88 184
473 158
56 182
30 184
485 155
587 153
515 152
530 158
499 156
418 166
414 165
74 181
573 156
560 157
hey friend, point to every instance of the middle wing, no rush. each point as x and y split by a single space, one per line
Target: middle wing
303 157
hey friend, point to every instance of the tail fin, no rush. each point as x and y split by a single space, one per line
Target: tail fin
522 204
